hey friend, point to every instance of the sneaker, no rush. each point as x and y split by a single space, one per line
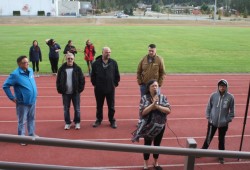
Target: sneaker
97 123
221 160
77 126
113 124
67 127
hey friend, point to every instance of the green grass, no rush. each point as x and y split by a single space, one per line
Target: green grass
185 49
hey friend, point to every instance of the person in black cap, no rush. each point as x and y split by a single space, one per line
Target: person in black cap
219 113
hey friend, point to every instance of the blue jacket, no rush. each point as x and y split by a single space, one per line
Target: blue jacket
24 86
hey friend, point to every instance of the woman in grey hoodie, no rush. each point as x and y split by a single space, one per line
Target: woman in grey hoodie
219 112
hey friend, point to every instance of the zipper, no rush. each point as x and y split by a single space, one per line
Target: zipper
221 98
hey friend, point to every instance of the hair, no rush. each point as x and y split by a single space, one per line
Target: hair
149 83
19 59
36 47
51 42
69 41
87 41
70 55
152 46
105 48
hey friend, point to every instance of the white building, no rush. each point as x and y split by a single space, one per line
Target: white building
31 7
28 7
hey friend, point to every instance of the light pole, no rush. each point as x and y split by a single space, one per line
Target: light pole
215 2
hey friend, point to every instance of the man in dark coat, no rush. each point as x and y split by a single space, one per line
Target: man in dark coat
105 78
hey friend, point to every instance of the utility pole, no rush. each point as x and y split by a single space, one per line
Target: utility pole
215 2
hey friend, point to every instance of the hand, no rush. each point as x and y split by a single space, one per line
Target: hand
56 51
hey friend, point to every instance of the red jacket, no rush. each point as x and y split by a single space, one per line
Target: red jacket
89 52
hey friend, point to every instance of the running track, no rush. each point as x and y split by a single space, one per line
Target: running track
188 95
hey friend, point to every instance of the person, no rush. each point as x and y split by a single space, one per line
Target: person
25 95
105 77
70 83
54 50
69 48
150 67
154 107
35 55
89 53
219 113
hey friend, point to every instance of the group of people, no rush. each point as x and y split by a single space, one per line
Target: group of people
35 54
105 77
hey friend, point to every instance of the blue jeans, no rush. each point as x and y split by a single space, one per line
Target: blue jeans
26 114
66 106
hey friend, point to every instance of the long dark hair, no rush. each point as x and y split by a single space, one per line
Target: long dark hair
148 85
36 47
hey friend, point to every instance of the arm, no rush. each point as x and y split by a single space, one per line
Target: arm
10 81
139 71
231 110
40 54
81 80
117 75
161 72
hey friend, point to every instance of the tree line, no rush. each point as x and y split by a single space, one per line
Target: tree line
242 6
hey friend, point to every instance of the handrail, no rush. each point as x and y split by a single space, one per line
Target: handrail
123 147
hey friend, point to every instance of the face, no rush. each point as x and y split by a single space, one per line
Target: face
35 43
88 42
151 51
24 64
153 88
106 53
222 88
70 60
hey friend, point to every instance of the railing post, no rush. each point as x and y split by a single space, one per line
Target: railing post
190 159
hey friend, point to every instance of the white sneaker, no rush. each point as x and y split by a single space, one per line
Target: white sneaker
77 126
67 127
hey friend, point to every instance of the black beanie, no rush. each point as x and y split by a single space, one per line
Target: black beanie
222 82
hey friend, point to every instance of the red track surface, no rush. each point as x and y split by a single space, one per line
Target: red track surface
188 95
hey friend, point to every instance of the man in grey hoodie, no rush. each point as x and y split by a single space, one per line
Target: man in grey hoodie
219 112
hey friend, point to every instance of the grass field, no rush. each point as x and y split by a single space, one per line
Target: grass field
185 49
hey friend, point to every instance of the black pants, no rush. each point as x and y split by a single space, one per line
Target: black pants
100 97
54 64
210 134
35 66
157 142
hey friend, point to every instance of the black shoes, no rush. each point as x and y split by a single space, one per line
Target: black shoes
97 123
221 160
113 124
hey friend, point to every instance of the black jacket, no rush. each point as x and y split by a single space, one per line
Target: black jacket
78 79
105 79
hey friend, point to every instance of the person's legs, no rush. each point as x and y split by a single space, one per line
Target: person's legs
222 134
37 66
99 96
157 142
76 104
21 111
66 106
33 66
51 64
110 97
56 64
142 89
147 142
210 134
31 120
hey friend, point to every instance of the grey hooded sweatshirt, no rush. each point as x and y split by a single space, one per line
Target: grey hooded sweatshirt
220 109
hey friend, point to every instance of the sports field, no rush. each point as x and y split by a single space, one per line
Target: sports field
201 47
186 46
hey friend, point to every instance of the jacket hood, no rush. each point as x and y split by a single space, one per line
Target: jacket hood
223 82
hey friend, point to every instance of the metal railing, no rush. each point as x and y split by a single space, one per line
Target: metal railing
190 152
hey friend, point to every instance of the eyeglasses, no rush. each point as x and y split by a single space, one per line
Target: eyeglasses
70 59
25 62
